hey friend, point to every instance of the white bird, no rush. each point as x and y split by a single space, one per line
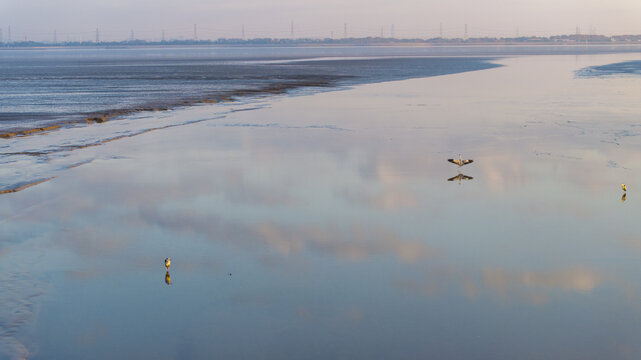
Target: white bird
460 162
167 263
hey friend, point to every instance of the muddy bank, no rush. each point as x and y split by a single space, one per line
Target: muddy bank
212 98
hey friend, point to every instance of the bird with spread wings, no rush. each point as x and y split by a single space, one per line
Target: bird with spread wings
460 162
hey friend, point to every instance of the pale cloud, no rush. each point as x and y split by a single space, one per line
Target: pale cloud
388 199
353 243
576 280
533 287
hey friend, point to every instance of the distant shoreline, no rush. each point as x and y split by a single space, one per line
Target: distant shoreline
562 40
403 49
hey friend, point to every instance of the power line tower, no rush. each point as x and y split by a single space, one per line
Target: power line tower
163 35
382 32
195 32
392 31
1 37
97 36
243 31
465 36
292 29
345 30
9 35
55 36
440 30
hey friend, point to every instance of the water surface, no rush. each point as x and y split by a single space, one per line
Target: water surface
334 215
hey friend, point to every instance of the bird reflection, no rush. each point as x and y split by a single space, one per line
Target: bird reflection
623 197
460 177
460 162
167 278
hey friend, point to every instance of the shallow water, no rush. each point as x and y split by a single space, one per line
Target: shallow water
43 87
334 215
625 68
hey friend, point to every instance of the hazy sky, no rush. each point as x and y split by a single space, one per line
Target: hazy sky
74 19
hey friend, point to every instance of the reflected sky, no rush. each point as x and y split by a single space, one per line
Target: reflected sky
344 236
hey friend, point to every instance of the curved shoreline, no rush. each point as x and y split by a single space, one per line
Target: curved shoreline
47 149
24 186
224 96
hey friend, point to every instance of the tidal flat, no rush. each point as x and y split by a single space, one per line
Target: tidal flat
332 226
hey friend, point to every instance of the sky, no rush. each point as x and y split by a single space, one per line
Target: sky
116 19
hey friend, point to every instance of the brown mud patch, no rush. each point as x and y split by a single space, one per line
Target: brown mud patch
220 97
24 186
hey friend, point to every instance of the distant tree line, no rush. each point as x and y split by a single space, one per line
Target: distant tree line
576 38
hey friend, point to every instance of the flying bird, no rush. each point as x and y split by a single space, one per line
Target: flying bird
460 162
460 177
624 188
167 263
167 278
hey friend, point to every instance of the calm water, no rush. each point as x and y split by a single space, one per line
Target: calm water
45 87
48 86
41 87
324 226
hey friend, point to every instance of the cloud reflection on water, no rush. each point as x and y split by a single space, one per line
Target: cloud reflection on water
352 243
535 287
530 229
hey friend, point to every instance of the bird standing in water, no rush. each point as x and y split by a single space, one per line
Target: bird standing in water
167 263
460 162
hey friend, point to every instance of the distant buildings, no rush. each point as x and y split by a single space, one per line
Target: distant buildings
566 39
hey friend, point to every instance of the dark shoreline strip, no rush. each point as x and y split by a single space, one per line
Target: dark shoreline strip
225 96
22 187
7 135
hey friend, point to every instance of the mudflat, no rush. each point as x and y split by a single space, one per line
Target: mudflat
332 226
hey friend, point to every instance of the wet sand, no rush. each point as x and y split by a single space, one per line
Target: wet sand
345 238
